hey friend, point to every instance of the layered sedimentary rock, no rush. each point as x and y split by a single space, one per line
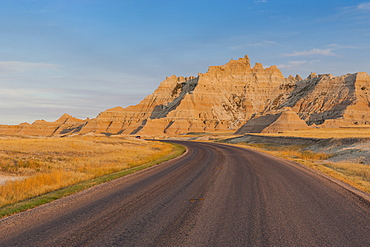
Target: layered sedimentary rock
132 119
286 120
43 128
327 101
323 97
221 99
234 96
224 98
258 124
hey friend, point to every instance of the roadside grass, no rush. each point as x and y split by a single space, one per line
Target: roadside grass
354 174
344 132
56 167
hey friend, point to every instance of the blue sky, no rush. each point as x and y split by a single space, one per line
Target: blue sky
84 56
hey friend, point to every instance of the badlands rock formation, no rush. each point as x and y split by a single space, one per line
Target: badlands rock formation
234 96
326 101
64 124
286 120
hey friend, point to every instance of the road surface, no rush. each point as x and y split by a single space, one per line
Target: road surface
214 195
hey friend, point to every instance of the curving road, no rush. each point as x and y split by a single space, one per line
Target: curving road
214 195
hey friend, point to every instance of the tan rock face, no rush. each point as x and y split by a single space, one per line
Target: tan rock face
287 120
258 124
322 97
226 96
43 128
327 97
358 111
327 101
234 96
221 99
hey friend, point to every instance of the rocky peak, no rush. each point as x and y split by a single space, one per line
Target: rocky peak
258 67
241 62
312 76
232 68
63 118
186 86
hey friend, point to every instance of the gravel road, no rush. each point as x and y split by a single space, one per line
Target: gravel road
214 195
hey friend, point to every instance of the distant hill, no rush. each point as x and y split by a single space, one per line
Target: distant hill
234 96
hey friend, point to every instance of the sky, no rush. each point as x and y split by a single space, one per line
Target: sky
82 57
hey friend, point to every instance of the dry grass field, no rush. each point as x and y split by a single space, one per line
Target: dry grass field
47 164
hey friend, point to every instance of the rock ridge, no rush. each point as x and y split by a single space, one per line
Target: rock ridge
234 96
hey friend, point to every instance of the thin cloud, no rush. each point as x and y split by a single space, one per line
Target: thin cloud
364 6
291 64
315 51
18 66
357 13
29 94
262 43
260 1
269 43
339 46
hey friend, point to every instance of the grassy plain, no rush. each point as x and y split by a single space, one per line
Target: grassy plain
49 164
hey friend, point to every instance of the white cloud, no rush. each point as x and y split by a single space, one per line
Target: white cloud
315 51
260 1
18 66
262 43
352 14
339 46
365 5
28 95
291 64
